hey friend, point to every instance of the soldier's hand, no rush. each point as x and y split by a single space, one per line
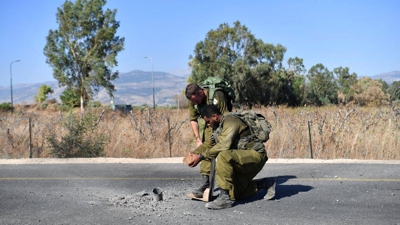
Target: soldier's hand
198 142
191 159
188 159
195 160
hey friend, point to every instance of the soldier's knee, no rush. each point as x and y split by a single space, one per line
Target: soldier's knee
224 157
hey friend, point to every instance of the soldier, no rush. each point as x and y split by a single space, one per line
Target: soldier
235 168
197 100
197 97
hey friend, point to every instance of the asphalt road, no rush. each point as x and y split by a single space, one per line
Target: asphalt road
122 193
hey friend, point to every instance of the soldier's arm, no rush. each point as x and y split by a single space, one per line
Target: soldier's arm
205 146
193 115
195 128
230 131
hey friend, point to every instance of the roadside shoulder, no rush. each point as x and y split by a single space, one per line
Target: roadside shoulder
179 160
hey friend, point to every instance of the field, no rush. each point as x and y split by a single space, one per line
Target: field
348 132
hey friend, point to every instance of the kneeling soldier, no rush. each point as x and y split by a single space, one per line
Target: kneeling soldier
235 168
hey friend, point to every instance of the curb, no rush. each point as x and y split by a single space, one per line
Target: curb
180 160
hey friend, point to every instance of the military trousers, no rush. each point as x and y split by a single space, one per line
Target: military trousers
235 170
205 165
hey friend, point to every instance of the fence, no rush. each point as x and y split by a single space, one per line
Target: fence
322 133
142 133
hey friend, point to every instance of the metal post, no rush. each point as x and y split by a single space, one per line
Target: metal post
309 134
12 106
152 80
30 137
169 138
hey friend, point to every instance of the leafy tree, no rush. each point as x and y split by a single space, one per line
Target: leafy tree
298 86
385 85
345 82
296 66
394 91
285 85
322 87
289 83
44 90
368 92
70 98
83 49
235 54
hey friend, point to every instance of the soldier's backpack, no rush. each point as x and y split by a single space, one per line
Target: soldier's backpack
260 128
218 83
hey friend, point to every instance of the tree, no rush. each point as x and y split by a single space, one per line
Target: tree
345 82
44 90
236 55
322 87
385 85
394 91
83 49
368 92
70 98
289 83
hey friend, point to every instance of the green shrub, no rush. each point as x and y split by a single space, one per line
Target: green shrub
44 90
95 104
81 139
5 106
70 98
65 108
44 105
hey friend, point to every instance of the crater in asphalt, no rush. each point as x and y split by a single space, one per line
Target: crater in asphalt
174 204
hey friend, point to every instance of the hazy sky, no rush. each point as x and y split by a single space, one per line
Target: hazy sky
363 35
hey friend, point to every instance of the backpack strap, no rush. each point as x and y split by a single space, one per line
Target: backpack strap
215 134
211 91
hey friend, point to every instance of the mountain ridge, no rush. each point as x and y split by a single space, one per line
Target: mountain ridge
131 88
389 77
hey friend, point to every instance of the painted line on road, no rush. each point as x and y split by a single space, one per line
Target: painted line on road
351 179
93 178
166 178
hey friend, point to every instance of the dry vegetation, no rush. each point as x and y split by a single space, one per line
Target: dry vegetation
349 132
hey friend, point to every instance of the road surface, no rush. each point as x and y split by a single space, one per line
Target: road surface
120 191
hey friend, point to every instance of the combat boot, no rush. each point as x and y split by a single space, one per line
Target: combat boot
222 202
205 183
268 184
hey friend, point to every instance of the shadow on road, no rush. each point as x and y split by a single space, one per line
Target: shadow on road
282 190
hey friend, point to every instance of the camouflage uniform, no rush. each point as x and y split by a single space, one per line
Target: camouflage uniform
205 132
235 168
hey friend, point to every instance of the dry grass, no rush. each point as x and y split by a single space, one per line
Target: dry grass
336 132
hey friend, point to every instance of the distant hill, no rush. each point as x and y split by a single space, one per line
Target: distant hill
132 88
388 77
